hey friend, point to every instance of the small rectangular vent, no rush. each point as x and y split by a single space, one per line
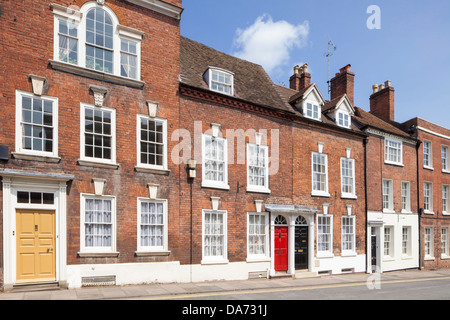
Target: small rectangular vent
347 270
324 273
98 281
257 275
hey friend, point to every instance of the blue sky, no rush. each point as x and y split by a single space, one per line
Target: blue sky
412 48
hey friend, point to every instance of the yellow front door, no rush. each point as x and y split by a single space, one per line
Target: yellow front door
35 246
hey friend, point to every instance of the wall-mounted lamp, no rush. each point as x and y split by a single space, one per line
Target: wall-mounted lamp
192 163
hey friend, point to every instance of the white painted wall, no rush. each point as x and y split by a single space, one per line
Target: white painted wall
163 272
399 261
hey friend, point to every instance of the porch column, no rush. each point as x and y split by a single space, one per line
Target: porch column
291 245
311 253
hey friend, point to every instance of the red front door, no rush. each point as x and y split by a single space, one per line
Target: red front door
281 248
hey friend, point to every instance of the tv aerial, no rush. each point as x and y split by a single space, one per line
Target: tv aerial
328 55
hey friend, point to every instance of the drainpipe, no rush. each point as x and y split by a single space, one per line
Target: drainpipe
419 209
365 141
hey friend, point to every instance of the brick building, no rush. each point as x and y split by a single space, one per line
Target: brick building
392 207
434 184
269 162
87 108
130 154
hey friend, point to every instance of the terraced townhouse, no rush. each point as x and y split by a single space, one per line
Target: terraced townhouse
130 154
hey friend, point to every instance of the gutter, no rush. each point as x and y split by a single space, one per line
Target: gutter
365 141
419 209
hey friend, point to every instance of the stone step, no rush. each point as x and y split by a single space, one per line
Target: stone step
42 286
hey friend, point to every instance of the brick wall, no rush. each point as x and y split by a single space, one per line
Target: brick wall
27 47
292 184
378 170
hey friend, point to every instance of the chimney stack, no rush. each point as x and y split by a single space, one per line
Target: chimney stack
301 78
343 83
382 101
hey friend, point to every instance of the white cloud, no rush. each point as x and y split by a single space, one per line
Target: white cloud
270 43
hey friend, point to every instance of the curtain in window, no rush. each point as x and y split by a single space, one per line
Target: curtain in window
98 223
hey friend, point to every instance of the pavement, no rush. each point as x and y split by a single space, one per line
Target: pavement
168 291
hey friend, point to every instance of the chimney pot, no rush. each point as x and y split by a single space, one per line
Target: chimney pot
305 68
375 88
387 84
301 79
381 86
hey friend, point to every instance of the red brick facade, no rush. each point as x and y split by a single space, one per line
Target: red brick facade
175 75
434 251
27 48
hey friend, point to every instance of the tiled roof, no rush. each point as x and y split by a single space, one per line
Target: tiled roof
251 82
365 118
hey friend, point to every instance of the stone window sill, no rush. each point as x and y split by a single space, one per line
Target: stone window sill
70 68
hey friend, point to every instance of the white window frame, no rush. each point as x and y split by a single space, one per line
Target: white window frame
349 195
388 194
83 157
445 199
253 187
315 192
97 250
427 155
213 183
209 80
406 241
428 197
219 259
393 148
444 243
20 150
429 243
78 18
327 224
388 242
262 256
148 249
164 166
348 230
445 159
312 107
343 119
406 197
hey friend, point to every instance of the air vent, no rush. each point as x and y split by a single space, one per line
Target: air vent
347 270
324 273
98 281
257 275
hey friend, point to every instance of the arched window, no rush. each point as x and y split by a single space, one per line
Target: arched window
280 220
90 41
99 40
301 221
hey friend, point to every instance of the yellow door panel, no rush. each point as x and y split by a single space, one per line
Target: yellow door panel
35 245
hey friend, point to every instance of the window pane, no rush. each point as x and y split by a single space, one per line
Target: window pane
98 139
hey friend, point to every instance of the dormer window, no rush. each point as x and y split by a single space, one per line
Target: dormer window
220 80
343 119
312 111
